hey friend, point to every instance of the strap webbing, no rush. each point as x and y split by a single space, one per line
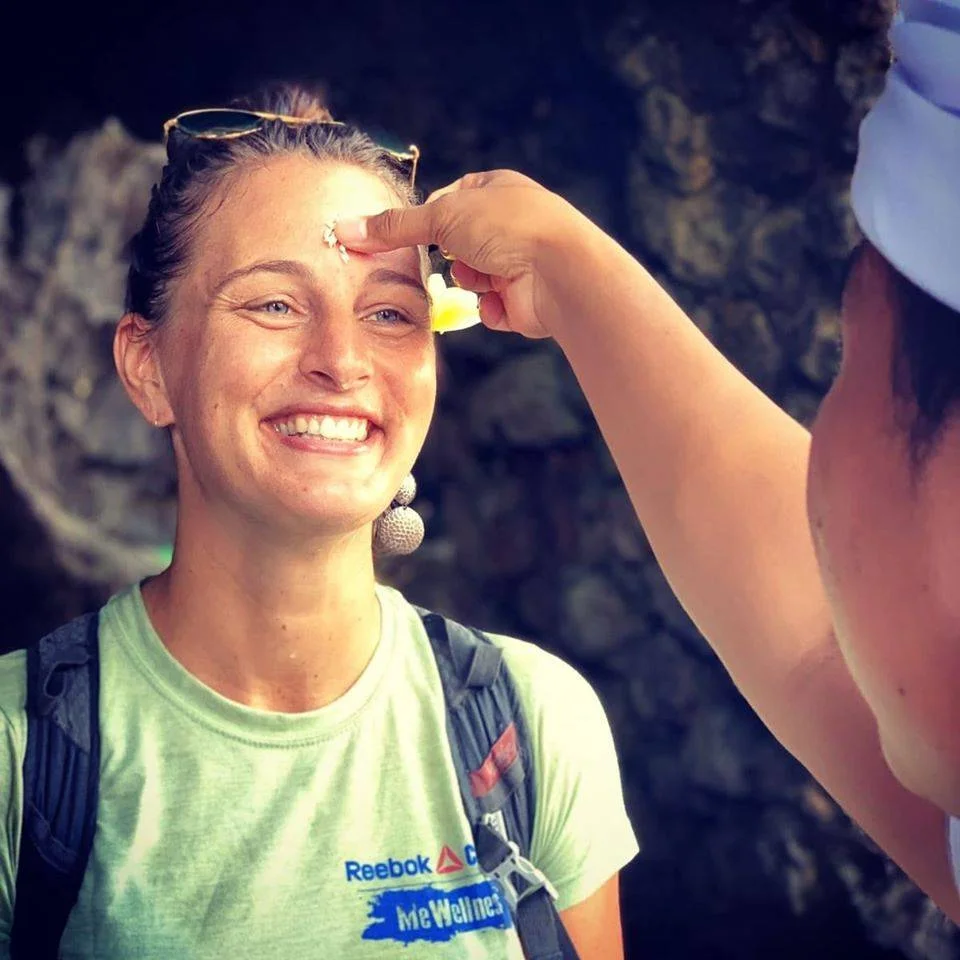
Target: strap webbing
61 786
483 718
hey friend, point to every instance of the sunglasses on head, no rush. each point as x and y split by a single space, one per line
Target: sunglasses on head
226 124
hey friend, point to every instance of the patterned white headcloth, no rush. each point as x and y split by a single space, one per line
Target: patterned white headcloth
906 185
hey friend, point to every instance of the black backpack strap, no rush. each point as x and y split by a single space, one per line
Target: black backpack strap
61 774
490 744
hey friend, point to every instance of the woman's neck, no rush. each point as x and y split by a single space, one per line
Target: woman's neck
266 624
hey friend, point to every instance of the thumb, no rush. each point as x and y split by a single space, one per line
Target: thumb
390 230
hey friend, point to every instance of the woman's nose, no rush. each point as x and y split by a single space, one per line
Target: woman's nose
335 351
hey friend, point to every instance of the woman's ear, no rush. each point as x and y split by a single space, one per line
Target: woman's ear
138 364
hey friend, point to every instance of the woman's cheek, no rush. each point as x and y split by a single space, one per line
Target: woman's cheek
420 371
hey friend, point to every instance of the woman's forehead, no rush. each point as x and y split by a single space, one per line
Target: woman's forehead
281 209
298 189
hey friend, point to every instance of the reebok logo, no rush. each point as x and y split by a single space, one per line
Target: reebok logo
386 869
448 861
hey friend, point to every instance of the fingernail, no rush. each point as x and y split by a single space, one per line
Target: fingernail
351 231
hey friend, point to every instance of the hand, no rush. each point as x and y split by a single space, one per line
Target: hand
506 234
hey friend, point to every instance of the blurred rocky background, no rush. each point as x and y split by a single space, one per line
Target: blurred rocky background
715 139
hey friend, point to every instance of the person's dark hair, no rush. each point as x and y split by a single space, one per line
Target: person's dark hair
925 372
196 168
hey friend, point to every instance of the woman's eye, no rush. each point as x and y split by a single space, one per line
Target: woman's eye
389 316
276 307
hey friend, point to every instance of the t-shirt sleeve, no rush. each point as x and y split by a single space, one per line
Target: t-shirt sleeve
582 835
13 723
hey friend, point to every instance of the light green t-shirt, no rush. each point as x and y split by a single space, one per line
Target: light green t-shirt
224 831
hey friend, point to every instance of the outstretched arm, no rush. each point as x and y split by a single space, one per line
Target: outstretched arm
715 470
717 474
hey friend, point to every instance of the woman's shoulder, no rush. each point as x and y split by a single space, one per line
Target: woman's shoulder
525 657
544 680
13 666
527 662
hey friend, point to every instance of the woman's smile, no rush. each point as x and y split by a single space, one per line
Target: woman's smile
327 433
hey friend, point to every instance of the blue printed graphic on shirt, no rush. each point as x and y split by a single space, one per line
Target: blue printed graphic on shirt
434 915
406 910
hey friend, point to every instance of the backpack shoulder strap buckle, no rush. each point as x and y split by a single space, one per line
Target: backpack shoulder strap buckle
517 876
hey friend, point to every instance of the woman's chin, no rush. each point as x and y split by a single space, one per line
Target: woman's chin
323 521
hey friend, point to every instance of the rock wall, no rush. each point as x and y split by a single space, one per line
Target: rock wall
716 140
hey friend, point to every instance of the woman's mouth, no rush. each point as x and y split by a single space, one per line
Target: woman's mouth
343 429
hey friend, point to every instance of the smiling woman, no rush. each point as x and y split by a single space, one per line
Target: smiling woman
292 758
265 325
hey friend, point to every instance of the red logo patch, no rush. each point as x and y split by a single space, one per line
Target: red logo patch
448 861
502 756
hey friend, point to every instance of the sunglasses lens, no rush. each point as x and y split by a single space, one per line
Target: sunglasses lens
218 123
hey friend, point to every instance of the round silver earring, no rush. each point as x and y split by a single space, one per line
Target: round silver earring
399 529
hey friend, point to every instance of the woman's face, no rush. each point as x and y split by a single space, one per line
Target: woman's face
888 541
270 334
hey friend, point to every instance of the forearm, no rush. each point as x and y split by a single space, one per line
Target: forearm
716 472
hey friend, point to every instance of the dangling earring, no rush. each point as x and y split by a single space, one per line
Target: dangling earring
399 529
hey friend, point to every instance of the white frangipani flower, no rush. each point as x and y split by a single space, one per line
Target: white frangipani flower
451 308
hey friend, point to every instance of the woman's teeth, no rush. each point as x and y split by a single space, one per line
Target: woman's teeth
330 428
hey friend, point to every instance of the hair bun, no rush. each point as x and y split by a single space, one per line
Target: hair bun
304 101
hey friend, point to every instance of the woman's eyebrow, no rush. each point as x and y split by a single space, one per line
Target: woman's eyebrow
292 268
295 268
386 275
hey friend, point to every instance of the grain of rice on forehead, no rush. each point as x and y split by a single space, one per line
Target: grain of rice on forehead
330 239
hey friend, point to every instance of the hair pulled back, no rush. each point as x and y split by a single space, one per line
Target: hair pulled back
195 168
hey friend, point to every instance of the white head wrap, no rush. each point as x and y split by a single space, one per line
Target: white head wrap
906 185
